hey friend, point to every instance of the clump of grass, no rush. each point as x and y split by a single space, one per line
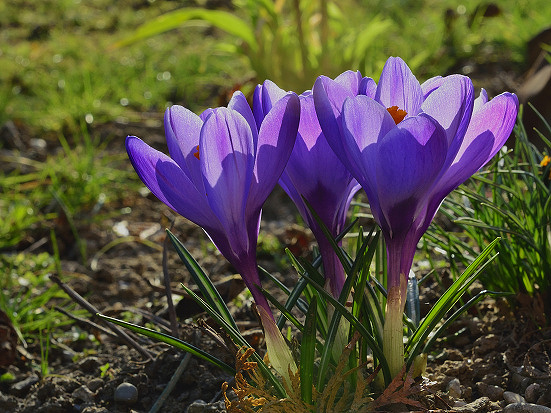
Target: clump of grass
510 199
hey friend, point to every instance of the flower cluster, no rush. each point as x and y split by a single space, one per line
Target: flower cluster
408 145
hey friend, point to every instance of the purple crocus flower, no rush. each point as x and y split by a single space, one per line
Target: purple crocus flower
220 171
314 173
409 145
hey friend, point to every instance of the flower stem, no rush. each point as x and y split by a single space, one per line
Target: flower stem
393 333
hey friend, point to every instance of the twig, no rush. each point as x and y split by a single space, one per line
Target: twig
93 310
85 322
171 384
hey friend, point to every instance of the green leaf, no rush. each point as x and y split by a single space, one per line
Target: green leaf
307 353
207 288
446 302
174 342
221 19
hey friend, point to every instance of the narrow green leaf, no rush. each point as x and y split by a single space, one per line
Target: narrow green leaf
207 288
221 19
174 342
307 353
457 313
447 301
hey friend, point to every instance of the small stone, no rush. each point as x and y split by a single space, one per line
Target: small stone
526 408
511 397
532 392
494 393
454 388
22 387
126 393
199 406
545 398
519 383
473 407
89 364
95 384
83 394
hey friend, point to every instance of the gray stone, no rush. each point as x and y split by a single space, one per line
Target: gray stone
22 387
454 388
526 408
494 393
126 393
511 397
473 407
199 406
533 392
95 384
84 394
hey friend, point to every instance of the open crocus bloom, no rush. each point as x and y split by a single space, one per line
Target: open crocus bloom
220 171
314 173
409 145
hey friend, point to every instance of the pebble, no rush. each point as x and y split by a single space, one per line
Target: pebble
473 407
494 393
511 397
519 383
526 408
126 393
199 406
532 392
454 388
22 387
95 384
84 394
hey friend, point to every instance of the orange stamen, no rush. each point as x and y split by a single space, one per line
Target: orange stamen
545 161
397 114
196 154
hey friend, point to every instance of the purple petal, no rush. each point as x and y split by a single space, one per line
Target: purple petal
430 85
365 122
368 87
350 81
409 158
206 113
239 103
451 105
264 98
276 139
324 187
481 100
182 130
163 176
329 97
227 158
497 116
399 87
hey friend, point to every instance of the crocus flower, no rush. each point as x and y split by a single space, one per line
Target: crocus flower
409 145
314 173
220 171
